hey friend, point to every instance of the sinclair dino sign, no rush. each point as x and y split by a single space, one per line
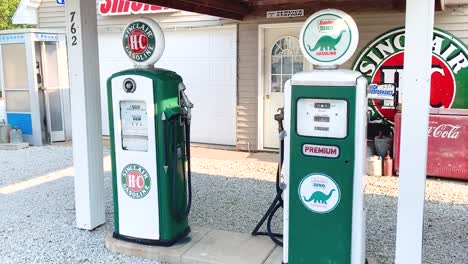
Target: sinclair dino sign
329 37
382 63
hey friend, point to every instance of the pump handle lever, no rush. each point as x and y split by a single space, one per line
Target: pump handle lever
279 118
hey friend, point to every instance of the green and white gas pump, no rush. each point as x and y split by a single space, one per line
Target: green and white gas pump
149 117
325 125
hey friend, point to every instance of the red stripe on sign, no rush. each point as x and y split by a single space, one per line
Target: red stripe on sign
126 7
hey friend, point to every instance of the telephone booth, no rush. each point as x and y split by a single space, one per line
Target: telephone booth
34 89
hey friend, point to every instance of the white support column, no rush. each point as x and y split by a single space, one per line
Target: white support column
86 112
414 127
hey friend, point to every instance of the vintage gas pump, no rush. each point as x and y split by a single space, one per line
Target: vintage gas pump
149 117
325 124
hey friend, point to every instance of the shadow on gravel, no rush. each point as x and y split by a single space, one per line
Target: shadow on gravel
236 204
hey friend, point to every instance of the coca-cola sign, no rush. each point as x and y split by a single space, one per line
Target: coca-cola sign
448 131
125 7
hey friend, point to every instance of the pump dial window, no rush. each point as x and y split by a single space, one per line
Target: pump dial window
327 118
134 118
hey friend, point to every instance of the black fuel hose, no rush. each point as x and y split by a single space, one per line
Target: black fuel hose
177 213
274 207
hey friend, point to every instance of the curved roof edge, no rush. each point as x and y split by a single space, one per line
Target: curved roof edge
26 12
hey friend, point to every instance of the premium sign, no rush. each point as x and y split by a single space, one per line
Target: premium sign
125 7
285 13
320 151
382 62
329 37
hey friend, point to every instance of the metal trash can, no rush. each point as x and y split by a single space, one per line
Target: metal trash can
16 136
5 133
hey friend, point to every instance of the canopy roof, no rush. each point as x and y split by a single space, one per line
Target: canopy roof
240 9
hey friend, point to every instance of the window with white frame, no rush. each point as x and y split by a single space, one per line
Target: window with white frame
286 60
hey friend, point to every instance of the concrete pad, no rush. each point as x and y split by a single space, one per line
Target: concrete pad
276 257
15 146
165 254
222 247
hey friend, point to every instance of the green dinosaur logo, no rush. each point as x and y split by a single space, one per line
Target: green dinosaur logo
327 42
319 197
329 37
319 193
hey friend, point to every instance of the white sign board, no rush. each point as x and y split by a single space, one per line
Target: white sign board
285 13
382 91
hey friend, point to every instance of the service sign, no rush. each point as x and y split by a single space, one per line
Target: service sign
143 41
285 13
381 62
329 37
125 7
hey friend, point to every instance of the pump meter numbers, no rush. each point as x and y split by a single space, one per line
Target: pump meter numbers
325 118
134 118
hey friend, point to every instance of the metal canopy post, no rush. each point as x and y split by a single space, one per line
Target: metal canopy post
414 127
86 112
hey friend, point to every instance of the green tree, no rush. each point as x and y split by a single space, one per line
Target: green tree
7 10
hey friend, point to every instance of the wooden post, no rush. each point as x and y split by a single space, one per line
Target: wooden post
83 60
415 121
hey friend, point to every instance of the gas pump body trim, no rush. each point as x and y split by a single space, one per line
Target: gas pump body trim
169 230
357 243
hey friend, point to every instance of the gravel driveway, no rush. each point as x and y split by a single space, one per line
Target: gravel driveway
231 192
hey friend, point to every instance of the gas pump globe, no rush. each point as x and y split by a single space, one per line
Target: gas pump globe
149 117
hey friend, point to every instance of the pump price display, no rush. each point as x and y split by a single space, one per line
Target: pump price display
326 118
134 119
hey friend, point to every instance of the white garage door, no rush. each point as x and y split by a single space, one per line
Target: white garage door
206 60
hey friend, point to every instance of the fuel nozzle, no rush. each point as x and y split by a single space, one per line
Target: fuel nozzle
185 102
279 118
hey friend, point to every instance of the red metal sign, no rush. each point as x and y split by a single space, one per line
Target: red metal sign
447 154
125 7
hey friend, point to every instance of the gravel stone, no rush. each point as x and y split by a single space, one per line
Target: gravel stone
37 221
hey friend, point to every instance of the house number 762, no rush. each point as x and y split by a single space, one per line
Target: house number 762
73 29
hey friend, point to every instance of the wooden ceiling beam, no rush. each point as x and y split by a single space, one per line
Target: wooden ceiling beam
313 6
234 6
239 9
196 8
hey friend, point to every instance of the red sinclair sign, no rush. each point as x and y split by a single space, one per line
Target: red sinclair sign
382 62
125 7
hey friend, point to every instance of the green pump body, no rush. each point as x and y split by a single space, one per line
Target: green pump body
325 124
149 134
